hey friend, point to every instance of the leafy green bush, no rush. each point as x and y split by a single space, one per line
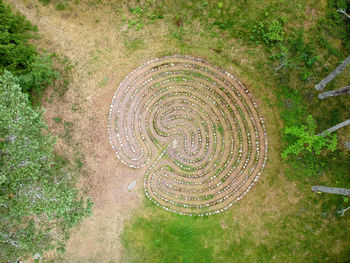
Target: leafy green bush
59 4
307 139
274 33
296 55
38 199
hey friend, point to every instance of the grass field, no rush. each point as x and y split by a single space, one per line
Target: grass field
279 49
282 221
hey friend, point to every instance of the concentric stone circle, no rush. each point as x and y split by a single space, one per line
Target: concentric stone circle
195 130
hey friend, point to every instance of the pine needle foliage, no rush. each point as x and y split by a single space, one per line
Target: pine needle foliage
18 56
39 203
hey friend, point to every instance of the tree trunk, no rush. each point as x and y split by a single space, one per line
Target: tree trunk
333 74
347 145
335 127
330 190
337 92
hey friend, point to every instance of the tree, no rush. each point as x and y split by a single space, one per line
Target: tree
307 139
333 190
330 190
333 93
335 127
324 95
38 200
341 91
15 52
18 56
332 75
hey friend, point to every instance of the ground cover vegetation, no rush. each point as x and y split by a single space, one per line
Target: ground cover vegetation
39 202
290 46
296 53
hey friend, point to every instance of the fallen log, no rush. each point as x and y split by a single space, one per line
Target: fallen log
330 190
333 93
332 75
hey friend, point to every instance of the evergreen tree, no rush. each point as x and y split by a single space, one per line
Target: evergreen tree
38 201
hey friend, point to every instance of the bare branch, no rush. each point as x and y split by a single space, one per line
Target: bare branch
9 240
342 11
280 66
333 74
330 190
23 163
337 92
12 138
342 211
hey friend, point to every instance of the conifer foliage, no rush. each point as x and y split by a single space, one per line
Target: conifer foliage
17 55
38 201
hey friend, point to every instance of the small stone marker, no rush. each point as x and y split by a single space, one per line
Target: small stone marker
132 185
174 144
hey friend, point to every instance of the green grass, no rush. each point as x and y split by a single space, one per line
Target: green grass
220 129
176 240
281 220
183 167
67 131
60 6
133 44
57 119
103 82
158 236
281 230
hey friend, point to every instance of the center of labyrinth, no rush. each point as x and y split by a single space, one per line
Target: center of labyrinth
196 130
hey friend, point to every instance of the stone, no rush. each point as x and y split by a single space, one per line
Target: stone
132 185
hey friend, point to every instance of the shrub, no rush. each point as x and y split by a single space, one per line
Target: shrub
274 33
307 139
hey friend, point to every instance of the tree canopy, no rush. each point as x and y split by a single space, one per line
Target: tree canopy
38 201
17 55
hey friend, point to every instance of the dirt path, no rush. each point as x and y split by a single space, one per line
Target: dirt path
206 170
100 67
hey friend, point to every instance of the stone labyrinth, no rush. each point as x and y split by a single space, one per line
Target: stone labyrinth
194 128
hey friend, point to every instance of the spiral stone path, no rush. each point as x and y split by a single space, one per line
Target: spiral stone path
194 128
